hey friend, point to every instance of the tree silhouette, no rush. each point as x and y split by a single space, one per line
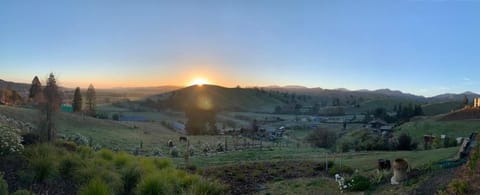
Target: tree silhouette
91 100
50 105
35 94
77 100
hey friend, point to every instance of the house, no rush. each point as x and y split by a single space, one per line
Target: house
476 102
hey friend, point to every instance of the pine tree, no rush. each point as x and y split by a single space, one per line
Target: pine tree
91 100
77 100
465 100
50 105
35 93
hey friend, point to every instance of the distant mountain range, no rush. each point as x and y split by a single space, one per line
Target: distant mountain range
319 93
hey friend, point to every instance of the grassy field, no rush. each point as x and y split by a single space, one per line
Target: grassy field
430 125
363 161
441 108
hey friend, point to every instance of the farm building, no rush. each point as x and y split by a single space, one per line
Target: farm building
66 108
476 102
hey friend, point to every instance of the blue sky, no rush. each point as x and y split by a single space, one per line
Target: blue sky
422 47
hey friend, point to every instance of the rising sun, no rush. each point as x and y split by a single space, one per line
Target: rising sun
199 81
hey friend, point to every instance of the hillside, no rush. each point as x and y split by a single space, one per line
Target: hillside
432 109
221 98
20 88
462 114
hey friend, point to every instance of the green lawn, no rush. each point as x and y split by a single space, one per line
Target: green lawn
430 125
441 108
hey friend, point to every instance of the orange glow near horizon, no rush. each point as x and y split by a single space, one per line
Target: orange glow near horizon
199 81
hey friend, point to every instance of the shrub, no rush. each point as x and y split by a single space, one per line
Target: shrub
220 147
79 139
322 138
30 138
41 161
155 185
405 142
106 154
122 159
162 163
207 187
358 183
10 141
22 192
337 169
174 152
85 152
458 187
131 177
95 187
3 185
68 166
68 145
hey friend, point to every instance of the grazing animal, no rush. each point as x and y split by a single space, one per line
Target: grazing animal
182 138
170 143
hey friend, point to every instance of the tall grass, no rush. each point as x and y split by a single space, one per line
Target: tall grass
95 187
3 185
107 172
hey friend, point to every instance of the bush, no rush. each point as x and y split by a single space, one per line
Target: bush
10 141
337 169
3 185
122 159
358 183
207 187
131 177
174 152
68 145
41 161
322 138
106 154
22 192
405 142
155 185
95 187
79 139
68 166
458 187
30 138
162 163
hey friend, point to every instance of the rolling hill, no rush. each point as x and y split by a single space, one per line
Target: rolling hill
221 98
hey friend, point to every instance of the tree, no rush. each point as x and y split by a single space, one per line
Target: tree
35 93
200 121
50 105
405 142
91 100
322 138
77 100
465 100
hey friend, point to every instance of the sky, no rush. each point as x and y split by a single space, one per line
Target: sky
423 47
